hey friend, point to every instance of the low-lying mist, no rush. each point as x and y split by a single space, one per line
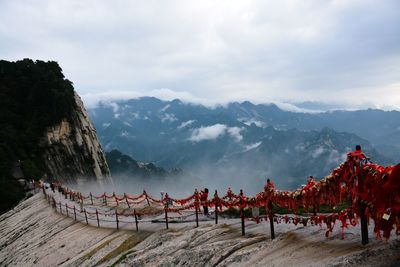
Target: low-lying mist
214 177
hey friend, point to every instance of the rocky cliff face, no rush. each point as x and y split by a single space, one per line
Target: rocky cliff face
71 149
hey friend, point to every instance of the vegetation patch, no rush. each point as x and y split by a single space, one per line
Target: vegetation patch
128 244
34 95
97 249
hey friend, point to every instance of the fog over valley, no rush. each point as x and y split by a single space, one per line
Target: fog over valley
238 145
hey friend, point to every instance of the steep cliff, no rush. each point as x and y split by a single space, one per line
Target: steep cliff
44 129
72 149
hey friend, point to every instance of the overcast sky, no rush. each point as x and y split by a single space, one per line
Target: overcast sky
343 52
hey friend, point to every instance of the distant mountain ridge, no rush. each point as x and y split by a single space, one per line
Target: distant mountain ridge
121 164
241 139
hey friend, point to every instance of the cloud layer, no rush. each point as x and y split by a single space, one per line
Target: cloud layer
338 51
215 131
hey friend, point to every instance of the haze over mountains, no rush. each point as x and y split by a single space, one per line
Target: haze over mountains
241 143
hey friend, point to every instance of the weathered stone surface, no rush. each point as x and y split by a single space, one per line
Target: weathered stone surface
33 234
72 149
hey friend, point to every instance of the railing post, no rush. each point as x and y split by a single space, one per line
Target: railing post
66 208
216 206
105 198
74 212
60 207
126 199
97 217
271 219
147 199
242 210
136 220
91 198
165 209
87 222
116 219
196 205
81 202
364 224
115 198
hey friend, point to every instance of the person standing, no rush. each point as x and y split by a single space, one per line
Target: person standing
203 200
358 156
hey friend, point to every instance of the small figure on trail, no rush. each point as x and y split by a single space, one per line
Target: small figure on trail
229 194
52 187
203 200
269 185
358 156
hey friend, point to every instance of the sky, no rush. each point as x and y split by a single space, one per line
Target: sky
340 52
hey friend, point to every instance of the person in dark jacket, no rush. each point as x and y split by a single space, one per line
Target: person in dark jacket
203 200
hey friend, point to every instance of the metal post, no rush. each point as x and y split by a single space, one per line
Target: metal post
364 224
147 199
271 219
74 213
127 202
66 208
91 198
60 207
115 198
86 217
97 216
165 209
136 221
242 211
216 206
105 198
196 205
116 219
81 202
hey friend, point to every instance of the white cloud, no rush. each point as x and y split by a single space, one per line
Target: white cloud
318 152
215 51
234 132
165 108
168 117
93 99
124 134
252 146
215 131
186 123
208 132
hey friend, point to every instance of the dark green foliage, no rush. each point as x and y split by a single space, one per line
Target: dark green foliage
33 96
10 193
